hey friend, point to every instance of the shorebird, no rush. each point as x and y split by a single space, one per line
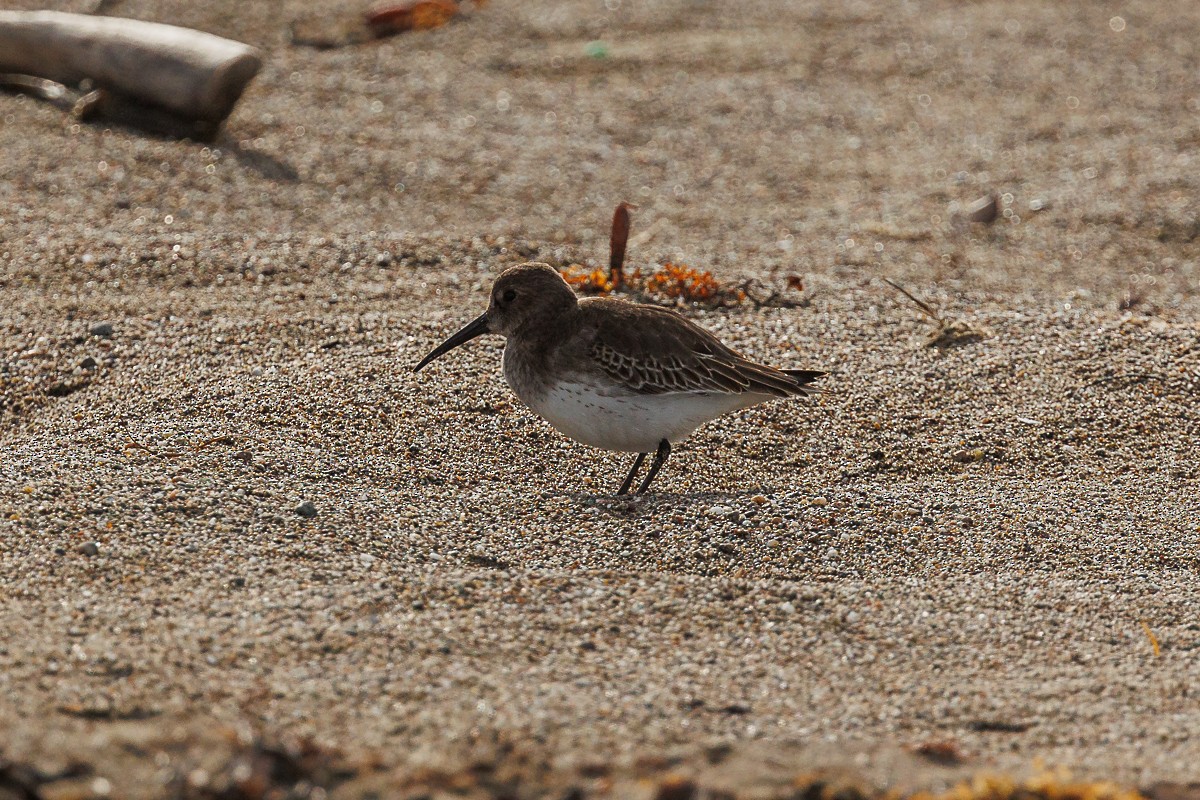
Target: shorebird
614 374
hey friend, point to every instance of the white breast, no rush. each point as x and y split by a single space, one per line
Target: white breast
614 418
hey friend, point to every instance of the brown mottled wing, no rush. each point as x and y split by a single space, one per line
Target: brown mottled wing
651 350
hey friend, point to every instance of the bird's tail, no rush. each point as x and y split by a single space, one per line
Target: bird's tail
804 377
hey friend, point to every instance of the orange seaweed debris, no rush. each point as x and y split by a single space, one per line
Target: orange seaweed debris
589 281
1050 785
679 281
411 16
670 281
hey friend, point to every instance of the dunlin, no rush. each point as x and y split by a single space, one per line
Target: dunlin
614 374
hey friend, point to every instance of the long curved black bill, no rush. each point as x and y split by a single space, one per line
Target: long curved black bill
478 327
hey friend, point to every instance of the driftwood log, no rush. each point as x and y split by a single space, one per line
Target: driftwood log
188 73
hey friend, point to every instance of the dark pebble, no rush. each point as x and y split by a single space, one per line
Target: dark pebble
984 210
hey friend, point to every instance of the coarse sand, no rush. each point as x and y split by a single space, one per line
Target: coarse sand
244 549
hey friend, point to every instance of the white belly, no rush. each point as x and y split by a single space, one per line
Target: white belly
615 419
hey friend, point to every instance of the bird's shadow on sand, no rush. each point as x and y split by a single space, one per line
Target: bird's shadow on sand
631 506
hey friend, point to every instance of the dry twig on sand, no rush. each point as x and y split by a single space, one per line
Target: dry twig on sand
950 333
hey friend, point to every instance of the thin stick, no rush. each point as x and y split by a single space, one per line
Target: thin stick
134 443
921 304
1150 635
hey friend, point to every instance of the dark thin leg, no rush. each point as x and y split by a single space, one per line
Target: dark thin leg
660 458
637 464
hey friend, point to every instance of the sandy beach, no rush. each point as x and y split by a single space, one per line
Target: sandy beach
977 553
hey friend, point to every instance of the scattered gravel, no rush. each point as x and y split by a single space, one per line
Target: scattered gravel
983 535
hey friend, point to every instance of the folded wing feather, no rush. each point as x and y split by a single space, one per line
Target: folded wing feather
649 350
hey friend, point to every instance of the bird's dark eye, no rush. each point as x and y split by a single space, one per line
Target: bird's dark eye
510 295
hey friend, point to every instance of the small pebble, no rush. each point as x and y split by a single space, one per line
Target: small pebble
102 329
89 549
820 501
675 787
984 210
307 509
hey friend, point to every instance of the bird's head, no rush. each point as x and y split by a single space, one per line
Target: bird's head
522 297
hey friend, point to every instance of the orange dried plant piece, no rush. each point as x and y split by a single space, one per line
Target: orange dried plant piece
677 280
591 281
433 13
411 16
